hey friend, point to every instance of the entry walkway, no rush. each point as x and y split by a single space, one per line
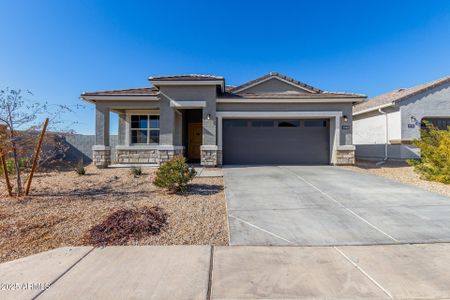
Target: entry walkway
235 272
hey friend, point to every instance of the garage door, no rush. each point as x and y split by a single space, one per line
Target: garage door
276 141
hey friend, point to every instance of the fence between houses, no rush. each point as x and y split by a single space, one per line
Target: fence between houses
80 147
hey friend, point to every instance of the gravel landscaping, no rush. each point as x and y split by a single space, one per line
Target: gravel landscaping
402 172
65 206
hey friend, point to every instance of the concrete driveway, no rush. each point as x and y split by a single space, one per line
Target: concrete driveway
325 205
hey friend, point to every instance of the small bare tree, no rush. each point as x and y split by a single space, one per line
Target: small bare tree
21 120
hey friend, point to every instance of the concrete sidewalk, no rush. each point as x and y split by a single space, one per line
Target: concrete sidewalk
235 272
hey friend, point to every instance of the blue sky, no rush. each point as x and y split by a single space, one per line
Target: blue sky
58 49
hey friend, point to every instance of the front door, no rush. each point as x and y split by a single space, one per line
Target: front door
194 140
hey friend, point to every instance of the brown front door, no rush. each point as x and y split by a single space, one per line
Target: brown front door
194 140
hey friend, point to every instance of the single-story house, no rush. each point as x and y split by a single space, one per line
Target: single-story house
385 126
273 119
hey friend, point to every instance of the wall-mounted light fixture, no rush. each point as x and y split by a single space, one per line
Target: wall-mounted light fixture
208 117
345 118
413 119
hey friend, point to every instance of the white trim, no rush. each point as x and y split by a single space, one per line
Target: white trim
188 82
373 108
170 147
291 100
101 147
210 147
273 77
187 104
346 147
336 115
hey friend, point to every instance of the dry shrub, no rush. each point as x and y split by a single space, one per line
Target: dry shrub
127 225
174 175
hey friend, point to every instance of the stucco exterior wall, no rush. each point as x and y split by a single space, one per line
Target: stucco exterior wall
346 108
395 125
434 103
370 128
273 86
187 93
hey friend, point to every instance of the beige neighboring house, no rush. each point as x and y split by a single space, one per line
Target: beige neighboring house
384 126
273 119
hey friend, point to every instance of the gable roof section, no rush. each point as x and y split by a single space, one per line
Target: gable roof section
398 95
278 76
186 77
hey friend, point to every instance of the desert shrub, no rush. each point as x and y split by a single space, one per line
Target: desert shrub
24 163
127 225
174 175
9 167
434 163
79 169
136 171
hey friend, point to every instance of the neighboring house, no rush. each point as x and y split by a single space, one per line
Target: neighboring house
270 120
385 126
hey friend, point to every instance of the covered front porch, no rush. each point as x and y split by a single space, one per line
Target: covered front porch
153 135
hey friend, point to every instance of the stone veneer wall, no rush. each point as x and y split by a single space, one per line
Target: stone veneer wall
165 155
137 156
101 158
145 156
345 157
211 158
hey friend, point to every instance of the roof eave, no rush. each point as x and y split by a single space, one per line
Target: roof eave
370 109
95 98
291 100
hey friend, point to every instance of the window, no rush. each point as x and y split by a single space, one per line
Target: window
288 123
440 123
262 123
315 123
144 129
235 123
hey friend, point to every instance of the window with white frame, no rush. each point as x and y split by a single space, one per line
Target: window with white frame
144 129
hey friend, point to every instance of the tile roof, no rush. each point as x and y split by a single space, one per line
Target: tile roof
289 95
276 74
229 89
186 77
147 91
398 95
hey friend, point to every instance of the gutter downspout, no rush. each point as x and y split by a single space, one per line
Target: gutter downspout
386 138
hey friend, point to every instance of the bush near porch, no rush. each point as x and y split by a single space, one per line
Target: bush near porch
174 175
434 146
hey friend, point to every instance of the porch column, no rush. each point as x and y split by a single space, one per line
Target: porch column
210 151
101 150
169 134
122 135
166 122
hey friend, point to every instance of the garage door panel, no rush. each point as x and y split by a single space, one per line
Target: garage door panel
256 142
